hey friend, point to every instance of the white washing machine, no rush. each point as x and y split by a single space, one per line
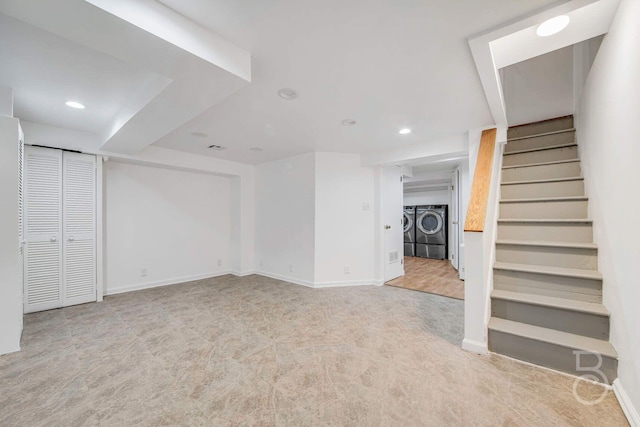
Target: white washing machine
431 231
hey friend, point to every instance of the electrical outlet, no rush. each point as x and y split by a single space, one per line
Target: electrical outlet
143 272
290 268
366 206
347 269
219 262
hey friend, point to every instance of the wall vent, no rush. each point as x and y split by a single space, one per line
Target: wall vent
217 147
393 257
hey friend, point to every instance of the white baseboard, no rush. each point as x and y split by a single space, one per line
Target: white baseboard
243 273
630 411
159 283
285 278
475 346
339 284
317 285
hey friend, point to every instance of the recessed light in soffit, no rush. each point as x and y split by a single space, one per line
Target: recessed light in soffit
75 104
404 131
217 147
553 26
348 122
288 94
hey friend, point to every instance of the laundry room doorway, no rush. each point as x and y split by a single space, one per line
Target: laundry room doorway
431 220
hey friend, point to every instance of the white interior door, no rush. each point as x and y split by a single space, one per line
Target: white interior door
392 220
79 226
42 229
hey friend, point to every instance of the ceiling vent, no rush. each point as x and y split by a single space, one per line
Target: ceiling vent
217 147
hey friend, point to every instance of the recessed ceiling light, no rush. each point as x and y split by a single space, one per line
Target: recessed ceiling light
404 131
217 147
255 149
348 122
199 134
74 104
553 26
287 93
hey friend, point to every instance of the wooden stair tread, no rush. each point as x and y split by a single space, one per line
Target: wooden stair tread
552 336
549 244
543 181
547 199
528 165
549 270
532 150
553 302
555 132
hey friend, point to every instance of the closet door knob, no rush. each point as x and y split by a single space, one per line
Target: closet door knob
71 238
54 239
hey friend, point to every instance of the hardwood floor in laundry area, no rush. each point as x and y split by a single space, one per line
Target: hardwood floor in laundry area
430 275
254 351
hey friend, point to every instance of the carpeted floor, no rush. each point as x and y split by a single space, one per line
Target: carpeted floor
256 351
430 275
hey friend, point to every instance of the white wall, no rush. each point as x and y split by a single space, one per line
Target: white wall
285 219
608 128
479 255
344 233
539 88
465 194
176 224
6 101
431 197
10 287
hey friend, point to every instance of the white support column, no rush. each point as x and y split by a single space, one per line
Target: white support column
10 286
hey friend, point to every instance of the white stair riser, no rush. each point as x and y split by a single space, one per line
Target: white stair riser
566 209
549 355
531 173
542 156
573 322
580 258
542 189
548 285
541 141
541 127
578 232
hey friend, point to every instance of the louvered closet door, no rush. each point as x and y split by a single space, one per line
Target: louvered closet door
79 226
42 228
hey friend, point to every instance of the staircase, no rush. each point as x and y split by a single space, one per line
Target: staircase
547 296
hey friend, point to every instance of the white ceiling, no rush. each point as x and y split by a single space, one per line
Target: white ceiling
190 68
386 64
45 71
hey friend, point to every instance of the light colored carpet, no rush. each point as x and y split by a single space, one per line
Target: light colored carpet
430 275
256 351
